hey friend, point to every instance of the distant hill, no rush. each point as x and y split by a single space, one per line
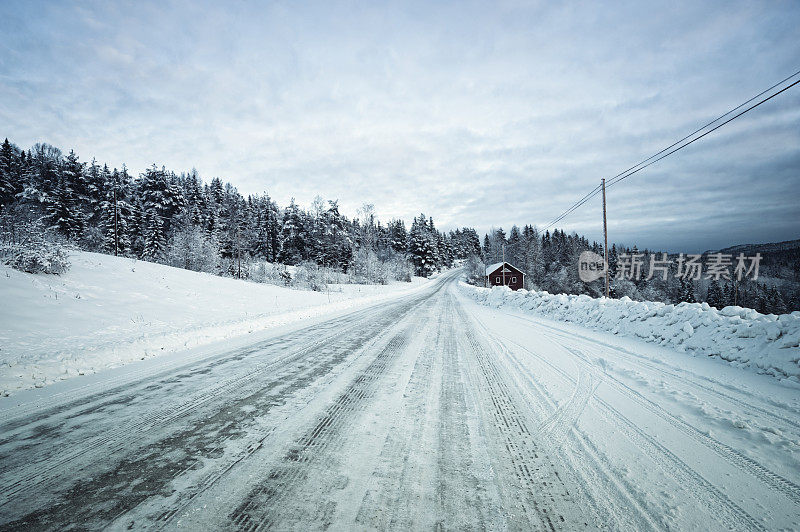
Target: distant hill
779 269
769 248
779 260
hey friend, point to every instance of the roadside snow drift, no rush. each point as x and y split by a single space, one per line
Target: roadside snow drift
106 311
765 343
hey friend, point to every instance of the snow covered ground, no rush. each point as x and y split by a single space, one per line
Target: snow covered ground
427 411
741 336
107 311
680 441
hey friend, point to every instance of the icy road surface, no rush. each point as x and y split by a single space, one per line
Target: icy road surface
428 412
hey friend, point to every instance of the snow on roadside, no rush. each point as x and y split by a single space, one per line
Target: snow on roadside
107 311
765 343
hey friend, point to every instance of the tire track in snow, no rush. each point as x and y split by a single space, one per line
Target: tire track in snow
546 496
123 435
358 332
564 417
91 405
184 499
684 377
729 454
717 503
463 500
91 397
385 505
260 509
598 473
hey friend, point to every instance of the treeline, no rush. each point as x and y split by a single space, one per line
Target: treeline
180 220
550 261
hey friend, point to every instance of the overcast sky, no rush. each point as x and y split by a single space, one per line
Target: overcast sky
478 114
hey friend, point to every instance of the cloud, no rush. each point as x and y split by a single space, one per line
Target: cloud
479 114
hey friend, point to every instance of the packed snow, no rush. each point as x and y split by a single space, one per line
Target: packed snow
765 343
107 311
424 412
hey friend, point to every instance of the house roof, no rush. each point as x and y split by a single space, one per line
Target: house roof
492 267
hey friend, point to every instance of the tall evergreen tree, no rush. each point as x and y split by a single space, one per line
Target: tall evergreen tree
398 236
154 238
293 233
422 247
10 175
687 291
714 296
64 212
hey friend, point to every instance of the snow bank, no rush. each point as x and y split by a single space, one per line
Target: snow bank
742 336
107 311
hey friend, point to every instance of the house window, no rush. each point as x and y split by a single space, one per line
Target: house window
513 279
497 280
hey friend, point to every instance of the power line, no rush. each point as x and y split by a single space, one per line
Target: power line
614 182
698 130
576 205
655 157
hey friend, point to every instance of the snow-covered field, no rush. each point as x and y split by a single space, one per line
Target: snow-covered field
743 337
107 311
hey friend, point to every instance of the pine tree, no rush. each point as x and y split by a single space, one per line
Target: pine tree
262 244
422 247
116 236
217 191
238 227
72 172
498 240
727 295
514 249
714 297
398 236
760 301
154 240
63 211
10 183
273 229
213 223
337 244
777 302
293 232
159 191
687 291
613 260
532 262
93 180
137 226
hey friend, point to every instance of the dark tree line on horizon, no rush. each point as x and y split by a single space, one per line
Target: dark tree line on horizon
183 221
550 262
180 220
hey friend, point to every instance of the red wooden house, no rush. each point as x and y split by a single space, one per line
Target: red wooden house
504 274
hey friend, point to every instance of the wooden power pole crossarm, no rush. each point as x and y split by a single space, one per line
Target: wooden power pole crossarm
605 235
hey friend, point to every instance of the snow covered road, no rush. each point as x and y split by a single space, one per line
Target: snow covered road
425 412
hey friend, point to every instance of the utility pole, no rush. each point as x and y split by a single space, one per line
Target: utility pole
116 224
503 267
605 235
